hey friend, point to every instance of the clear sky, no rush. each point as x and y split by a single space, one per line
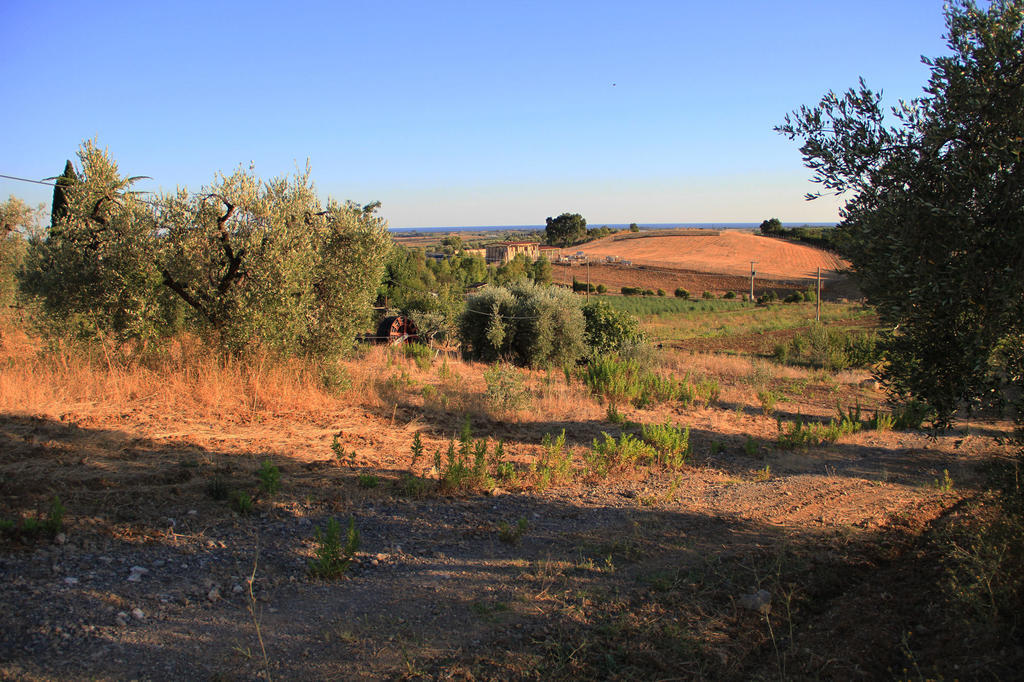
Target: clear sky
456 113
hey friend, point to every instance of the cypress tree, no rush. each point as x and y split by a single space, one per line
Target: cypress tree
59 209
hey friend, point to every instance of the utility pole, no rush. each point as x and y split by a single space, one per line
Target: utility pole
752 273
588 279
817 299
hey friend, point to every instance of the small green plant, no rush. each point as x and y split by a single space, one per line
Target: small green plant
410 485
333 558
503 469
910 415
946 484
420 353
730 295
768 400
269 477
880 421
763 474
241 502
512 534
609 454
717 447
218 489
368 481
751 446
671 444
707 295
613 414
555 462
682 293
344 458
417 448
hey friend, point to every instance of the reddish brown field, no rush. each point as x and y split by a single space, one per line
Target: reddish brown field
727 252
641 575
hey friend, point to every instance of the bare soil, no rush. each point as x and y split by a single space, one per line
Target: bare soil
646 575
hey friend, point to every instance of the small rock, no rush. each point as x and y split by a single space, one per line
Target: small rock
136 573
237 589
213 594
760 601
192 512
70 581
495 492
158 563
137 614
381 557
121 618
60 539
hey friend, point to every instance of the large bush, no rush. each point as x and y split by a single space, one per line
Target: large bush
610 330
526 323
245 261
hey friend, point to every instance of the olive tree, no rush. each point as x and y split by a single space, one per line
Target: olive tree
524 322
934 221
243 261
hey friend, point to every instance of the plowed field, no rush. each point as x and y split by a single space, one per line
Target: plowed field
727 252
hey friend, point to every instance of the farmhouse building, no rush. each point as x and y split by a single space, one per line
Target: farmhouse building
503 252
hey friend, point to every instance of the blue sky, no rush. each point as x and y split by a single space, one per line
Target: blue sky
456 113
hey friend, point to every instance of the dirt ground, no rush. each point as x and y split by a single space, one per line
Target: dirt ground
654 573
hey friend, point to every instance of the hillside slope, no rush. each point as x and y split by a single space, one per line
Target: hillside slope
727 252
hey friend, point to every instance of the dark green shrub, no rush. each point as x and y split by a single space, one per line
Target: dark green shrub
729 295
609 330
707 294
682 293
661 292
601 289
523 322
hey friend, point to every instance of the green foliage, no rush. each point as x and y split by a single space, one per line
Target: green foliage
59 210
416 448
523 322
608 455
800 434
244 261
367 481
616 380
30 528
707 295
830 348
910 415
555 463
602 289
682 293
332 559
609 330
241 502
19 223
512 534
565 230
751 446
505 388
771 226
671 444
218 489
344 458
934 226
269 477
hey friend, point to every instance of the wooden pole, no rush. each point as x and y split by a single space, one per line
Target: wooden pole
588 279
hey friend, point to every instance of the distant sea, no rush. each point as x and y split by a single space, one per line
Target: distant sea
645 226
